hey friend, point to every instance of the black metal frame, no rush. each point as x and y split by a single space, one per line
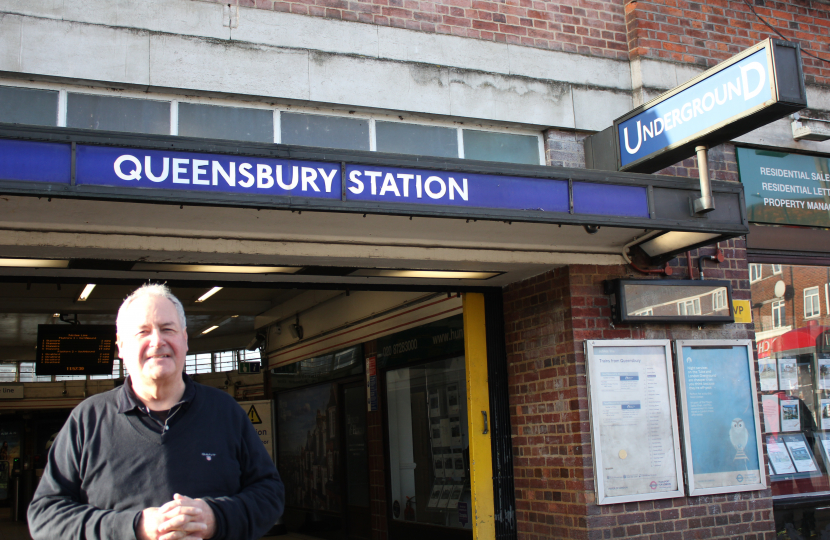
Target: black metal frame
615 287
71 136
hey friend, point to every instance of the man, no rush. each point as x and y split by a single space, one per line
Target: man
160 457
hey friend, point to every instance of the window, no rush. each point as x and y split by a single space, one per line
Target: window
230 123
28 106
8 372
811 303
198 363
754 272
27 373
118 114
689 307
505 147
325 131
719 300
776 269
778 318
224 361
416 139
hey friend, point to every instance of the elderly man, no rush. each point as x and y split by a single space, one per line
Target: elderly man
160 457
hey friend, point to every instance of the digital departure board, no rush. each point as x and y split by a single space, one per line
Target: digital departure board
78 349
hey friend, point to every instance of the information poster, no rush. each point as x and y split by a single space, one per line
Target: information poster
823 374
824 439
787 374
634 421
720 416
825 414
801 454
779 458
769 374
790 420
772 421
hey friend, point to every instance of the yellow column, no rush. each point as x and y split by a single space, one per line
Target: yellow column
478 405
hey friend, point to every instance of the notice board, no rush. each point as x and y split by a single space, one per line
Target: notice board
719 409
634 427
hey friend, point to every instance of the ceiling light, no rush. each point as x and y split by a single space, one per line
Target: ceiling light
209 294
86 292
675 242
215 268
34 263
56 315
210 329
424 274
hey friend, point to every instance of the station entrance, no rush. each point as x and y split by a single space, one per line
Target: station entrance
360 394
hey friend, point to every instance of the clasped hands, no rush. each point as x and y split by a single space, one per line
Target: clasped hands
182 518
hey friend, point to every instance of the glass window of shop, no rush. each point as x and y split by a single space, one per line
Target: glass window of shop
426 402
791 312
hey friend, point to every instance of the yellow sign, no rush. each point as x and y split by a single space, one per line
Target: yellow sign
742 311
254 416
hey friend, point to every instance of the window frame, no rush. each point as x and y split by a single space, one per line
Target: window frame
816 303
781 306
176 99
758 267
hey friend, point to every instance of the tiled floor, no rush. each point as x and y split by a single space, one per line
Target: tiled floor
17 530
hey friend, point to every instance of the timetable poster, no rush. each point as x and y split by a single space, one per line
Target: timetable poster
719 408
769 374
632 406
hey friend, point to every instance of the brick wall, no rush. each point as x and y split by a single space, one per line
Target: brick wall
564 148
547 319
706 33
595 27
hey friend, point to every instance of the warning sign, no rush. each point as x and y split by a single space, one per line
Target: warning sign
259 413
254 416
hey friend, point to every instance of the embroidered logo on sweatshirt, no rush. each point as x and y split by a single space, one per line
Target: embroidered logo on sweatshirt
208 456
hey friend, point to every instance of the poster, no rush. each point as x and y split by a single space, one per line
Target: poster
455 496
823 374
825 445
435 496
772 420
259 413
769 374
452 400
801 454
634 421
779 458
825 414
307 447
445 496
720 416
9 449
790 420
787 374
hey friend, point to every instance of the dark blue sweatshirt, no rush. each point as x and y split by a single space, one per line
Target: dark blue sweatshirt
106 466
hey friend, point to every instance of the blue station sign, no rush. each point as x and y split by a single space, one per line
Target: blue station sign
228 177
759 85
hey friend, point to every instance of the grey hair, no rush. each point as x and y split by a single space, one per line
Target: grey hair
152 289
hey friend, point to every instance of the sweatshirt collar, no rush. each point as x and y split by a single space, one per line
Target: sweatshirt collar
128 401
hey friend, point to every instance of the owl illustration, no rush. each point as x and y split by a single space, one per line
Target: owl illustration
739 436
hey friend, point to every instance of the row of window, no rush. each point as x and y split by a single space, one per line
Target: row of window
756 271
91 111
218 362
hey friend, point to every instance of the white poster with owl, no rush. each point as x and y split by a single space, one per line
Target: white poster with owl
721 417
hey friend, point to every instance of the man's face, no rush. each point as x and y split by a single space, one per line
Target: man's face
152 341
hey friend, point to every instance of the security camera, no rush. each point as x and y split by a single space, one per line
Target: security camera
257 342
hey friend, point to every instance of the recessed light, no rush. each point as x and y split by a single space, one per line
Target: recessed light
424 274
210 329
209 294
86 292
34 263
56 315
215 268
